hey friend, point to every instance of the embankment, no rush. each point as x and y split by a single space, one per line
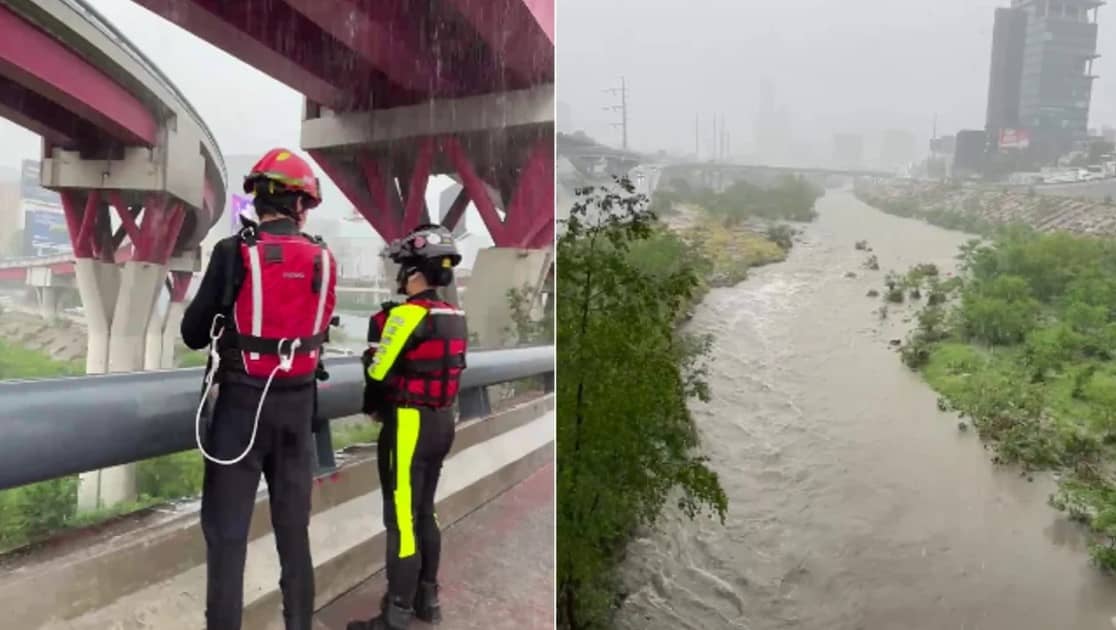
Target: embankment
982 210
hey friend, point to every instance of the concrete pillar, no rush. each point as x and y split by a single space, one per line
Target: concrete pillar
175 311
98 285
139 285
48 302
123 321
153 343
496 271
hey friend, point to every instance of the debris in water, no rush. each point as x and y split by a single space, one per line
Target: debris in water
850 274
962 427
895 343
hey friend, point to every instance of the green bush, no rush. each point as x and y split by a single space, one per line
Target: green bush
626 439
1028 353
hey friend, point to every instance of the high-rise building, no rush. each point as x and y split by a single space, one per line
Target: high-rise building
1009 37
1056 70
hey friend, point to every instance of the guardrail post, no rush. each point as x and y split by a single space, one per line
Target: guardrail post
548 382
474 403
323 441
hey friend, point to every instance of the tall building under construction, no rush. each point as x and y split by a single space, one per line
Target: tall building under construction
1041 79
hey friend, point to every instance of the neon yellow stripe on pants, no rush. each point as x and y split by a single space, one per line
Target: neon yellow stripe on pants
406 437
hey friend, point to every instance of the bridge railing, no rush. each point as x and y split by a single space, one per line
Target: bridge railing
52 428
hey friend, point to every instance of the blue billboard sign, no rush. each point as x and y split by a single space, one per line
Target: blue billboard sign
44 232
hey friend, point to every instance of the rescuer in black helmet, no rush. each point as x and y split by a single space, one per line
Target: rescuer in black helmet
413 365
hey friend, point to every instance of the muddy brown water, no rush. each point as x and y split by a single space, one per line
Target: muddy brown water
854 502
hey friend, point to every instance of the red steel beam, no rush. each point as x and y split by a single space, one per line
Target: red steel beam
456 210
519 38
188 15
530 216
44 65
392 47
475 185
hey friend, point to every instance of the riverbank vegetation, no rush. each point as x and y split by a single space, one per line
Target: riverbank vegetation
743 227
626 439
627 444
1023 345
966 219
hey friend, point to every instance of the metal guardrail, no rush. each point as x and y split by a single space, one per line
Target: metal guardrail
106 27
55 427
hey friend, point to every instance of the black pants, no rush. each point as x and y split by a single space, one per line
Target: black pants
283 454
412 446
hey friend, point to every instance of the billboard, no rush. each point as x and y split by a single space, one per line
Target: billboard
44 223
1015 138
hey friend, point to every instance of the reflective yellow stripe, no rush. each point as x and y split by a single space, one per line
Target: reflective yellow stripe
401 323
406 437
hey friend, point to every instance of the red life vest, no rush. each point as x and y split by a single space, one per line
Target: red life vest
288 294
428 372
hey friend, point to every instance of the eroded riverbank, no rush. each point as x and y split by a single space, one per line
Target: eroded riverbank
853 502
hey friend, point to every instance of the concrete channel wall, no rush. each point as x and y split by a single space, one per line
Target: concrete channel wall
151 573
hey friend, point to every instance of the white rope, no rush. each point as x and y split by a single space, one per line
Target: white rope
285 363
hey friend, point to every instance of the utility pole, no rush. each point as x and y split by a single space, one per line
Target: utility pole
623 109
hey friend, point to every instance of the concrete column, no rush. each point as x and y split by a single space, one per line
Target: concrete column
48 302
139 284
120 317
98 285
175 311
496 271
153 343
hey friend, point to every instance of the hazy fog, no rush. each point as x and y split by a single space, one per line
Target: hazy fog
838 65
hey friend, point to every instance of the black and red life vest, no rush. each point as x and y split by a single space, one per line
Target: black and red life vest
428 371
288 294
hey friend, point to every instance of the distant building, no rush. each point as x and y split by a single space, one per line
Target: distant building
970 153
1009 36
1041 78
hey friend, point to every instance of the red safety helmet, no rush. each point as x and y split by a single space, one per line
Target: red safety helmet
288 171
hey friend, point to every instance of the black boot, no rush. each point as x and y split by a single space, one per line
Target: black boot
426 603
393 617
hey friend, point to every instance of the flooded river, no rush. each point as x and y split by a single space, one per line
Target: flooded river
854 503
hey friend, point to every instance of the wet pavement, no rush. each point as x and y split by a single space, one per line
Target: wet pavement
497 567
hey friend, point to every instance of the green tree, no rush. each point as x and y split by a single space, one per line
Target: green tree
626 440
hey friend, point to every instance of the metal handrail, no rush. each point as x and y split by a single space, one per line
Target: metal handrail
56 427
101 23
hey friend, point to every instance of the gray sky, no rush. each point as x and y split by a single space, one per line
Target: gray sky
247 111
838 65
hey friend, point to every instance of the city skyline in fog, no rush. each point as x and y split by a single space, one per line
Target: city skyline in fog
860 66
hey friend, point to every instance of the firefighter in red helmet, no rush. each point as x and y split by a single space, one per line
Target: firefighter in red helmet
264 307
413 366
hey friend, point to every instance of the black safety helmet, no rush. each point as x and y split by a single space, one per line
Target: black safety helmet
429 249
